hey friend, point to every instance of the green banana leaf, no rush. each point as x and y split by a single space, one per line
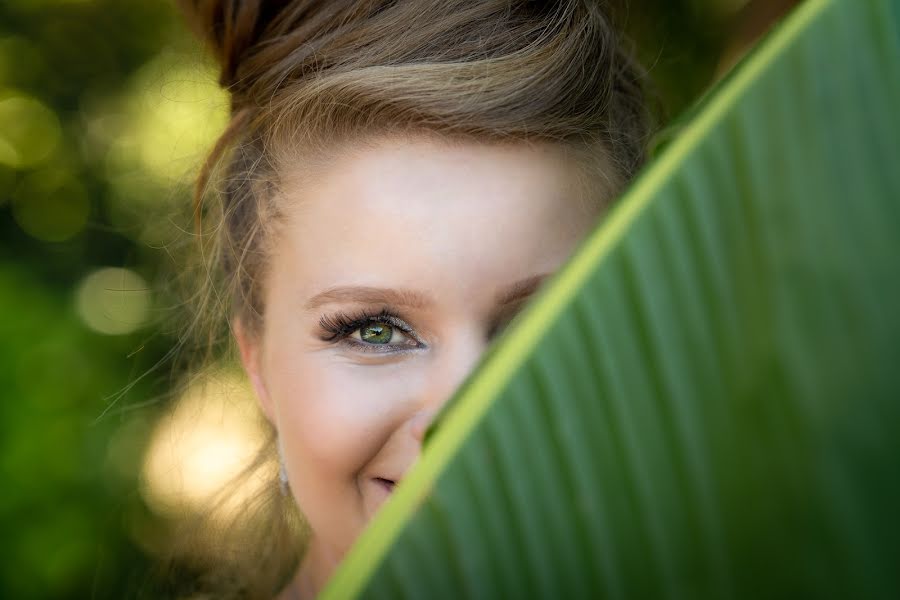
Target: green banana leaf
705 402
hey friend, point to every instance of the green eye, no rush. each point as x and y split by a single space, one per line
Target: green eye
376 333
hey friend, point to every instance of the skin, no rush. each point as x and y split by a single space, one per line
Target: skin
466 232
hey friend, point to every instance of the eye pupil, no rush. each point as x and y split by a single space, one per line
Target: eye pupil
376 333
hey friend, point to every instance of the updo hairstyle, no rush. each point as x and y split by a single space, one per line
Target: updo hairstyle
306 76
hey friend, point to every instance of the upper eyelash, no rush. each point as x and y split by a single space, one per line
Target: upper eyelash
340 325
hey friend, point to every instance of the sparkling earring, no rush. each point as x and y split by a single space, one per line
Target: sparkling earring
282 471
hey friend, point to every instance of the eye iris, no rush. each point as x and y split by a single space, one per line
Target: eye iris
376 333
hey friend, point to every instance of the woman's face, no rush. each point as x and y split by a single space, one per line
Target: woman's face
391 273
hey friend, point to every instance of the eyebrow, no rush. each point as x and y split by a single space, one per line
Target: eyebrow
370 295
412 298
521 289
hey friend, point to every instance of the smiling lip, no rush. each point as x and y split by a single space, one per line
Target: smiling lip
387 484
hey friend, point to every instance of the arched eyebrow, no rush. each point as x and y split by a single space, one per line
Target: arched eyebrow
370 295
412 298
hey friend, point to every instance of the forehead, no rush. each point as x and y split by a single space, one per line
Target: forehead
454 218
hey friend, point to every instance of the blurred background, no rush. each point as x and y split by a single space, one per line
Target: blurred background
106 110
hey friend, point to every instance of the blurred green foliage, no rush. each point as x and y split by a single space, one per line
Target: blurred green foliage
105 107
70 516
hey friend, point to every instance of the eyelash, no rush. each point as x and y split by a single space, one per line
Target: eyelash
339 326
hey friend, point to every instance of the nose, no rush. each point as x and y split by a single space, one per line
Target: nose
452 364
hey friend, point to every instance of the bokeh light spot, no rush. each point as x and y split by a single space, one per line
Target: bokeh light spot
113 301
154 141
51 205
176 112
212 433
29 131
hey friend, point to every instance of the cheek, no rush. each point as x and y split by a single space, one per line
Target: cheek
333 416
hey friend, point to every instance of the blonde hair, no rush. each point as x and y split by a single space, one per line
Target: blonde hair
307 75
